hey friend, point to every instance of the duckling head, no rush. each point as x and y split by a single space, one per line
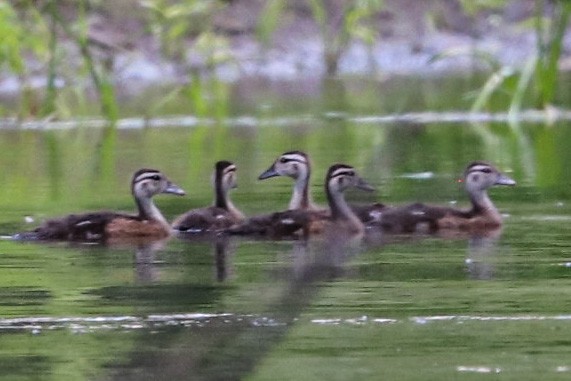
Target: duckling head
480 176
341 177
294 164
225 175
148 182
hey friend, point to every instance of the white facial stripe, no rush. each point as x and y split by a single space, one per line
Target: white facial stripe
479 168
230 169
294 157
146 176
343 172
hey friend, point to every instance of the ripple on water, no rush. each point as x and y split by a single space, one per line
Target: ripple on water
252 121
478 369
198 320
131 323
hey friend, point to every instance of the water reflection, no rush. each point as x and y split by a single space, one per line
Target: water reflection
229 349
146 269
248 306
224 250
482 251
222 247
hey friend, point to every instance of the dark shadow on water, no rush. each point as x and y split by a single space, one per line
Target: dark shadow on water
150 290
229 350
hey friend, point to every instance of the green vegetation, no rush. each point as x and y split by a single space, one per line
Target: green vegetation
536 80
339 23
54 39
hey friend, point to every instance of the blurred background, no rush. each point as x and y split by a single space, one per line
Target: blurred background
67 58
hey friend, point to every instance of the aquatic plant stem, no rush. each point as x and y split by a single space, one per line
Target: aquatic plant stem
549 49
48 106
106 92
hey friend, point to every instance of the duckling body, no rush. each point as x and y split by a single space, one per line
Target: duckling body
304 222
286 224
301 212
341 177
296 165
222 214
105 225
478 177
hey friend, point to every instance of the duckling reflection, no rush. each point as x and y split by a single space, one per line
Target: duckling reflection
235 347
223 252
145 258
222 248
482 250
314 261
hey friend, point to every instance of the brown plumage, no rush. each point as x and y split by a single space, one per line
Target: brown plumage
105 225
222 214
478 177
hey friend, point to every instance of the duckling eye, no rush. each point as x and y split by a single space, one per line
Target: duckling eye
283 160
155 177
487 170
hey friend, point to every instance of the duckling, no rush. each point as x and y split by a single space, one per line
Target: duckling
294 164
293 222
106 225
278 225
222 214
478 177
341 177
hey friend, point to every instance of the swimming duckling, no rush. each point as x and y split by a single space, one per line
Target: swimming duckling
341 177
222 214
299 221
105 225
296 164
478 177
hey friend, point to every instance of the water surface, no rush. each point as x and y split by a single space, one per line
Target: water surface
402 308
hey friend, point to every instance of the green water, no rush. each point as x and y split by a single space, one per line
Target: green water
402 308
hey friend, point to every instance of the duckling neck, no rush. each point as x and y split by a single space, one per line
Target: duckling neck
300 198
482 205
223 201
149 211
340 211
